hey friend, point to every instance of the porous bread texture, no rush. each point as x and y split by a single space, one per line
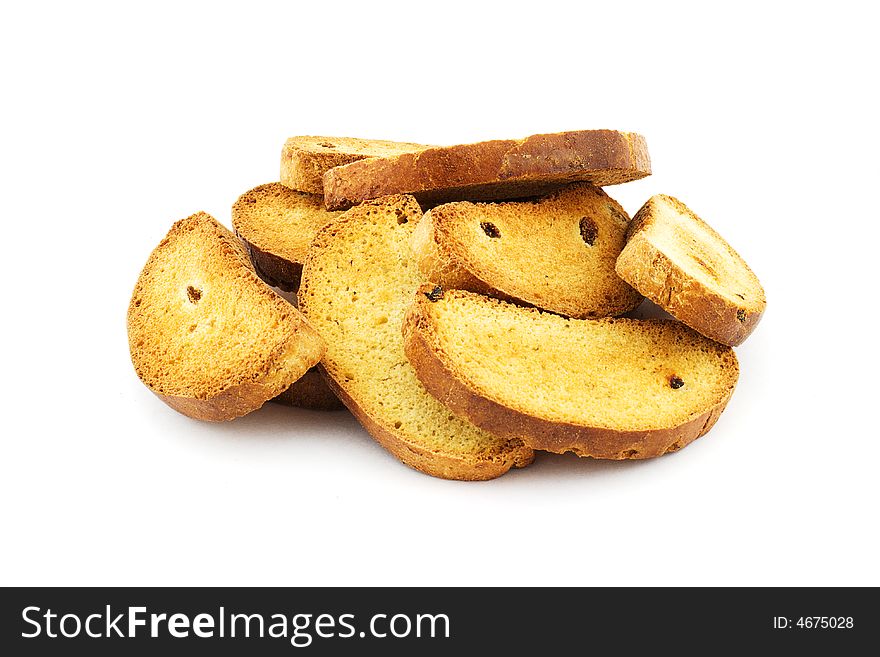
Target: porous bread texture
491 170
606 388
310 391
305 159
358 280
206 334
277 224
557 253
680 263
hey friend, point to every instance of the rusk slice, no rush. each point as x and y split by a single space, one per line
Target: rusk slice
606 388
676 260
304 160
556 253
277 224
492 170
358 280
206 334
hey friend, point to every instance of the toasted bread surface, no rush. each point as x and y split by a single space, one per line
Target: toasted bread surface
557 253
607 388
277 224
680 263
305 159
491 170
206 334
358 280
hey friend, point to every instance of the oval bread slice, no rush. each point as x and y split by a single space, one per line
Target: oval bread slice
305 159
605 388
556 253
676 260
492 170
205 334
277 224
358 281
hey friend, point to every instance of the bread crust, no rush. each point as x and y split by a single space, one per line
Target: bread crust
441 380
431 463
649 270
493 170
273 269
311 392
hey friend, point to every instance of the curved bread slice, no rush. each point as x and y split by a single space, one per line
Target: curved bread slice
277 224
304 160
556 253
206 334
358 280
606 388
310 391
493 170
676 260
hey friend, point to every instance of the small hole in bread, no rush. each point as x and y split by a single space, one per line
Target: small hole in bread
490 229
630 453
192 327
137 303
398 424
401 216
741 315
674 447
193 294
589 231
327 144
675 382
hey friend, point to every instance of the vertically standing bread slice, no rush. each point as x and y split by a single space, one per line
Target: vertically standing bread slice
676 260
606 388
205 334
305 159
492 170
277 224
556 253
358 280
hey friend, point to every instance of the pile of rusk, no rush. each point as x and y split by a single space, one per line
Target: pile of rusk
468 304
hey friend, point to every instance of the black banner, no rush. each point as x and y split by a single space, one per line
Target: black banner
114 621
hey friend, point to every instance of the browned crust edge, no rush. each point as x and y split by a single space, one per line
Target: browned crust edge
310 392
653 274
431 463
558 437
493 169
273 269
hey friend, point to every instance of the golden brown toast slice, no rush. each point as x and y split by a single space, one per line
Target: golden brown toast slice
206 334
358 281
606 388
305 159
277 224
492 170
556 253
676 260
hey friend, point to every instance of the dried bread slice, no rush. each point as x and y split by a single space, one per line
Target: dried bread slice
676 260
492 170
206 334
606 388
358 281
277 224
305 159
556 253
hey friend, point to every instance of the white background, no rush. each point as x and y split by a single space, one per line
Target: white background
116 122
